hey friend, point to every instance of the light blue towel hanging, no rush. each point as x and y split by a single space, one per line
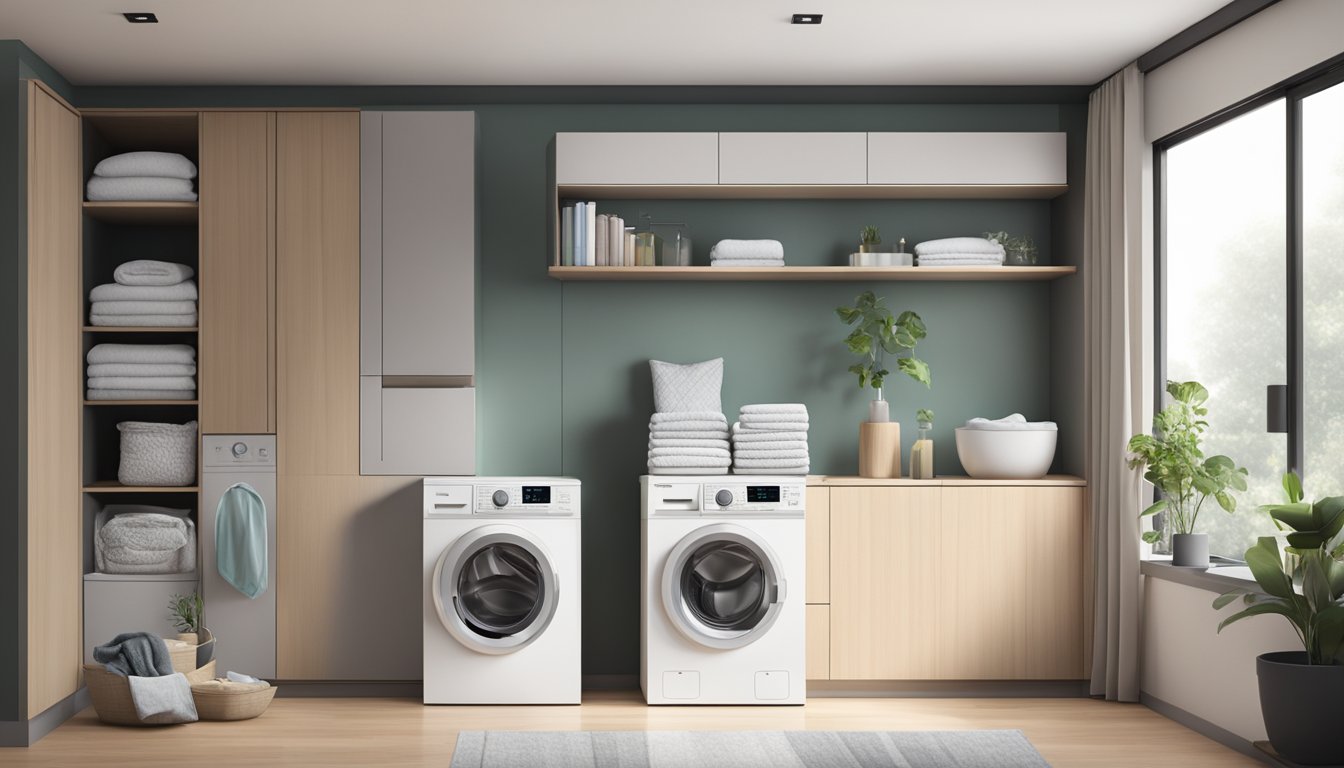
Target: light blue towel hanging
240 539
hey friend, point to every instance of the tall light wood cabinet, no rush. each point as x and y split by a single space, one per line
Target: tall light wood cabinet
236 378
54 388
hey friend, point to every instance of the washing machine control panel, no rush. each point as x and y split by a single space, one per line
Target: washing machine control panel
540 498
753 497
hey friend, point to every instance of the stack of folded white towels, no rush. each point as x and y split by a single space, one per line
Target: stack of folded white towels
157 176
959 252
153 293
142 372
771 439
747 253
689 443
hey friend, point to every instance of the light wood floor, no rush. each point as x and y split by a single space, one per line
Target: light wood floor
402 732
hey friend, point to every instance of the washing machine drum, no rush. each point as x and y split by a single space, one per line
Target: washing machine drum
496 589
723 586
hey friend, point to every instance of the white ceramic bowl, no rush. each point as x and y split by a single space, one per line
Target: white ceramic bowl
1006 454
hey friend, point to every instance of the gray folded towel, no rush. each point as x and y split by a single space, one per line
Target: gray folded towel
135 653
163 700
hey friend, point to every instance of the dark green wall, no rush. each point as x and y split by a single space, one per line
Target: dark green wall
563 381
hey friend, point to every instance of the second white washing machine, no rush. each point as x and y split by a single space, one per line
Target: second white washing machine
723 619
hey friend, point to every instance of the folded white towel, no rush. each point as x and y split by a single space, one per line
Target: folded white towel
953 259
151 272
746 262
744 470
719 435
140 369
715 453
689 471
149 321
140 188
690 461
769 445
671 417
927 264
165 164
741 435
183 291
163 700
690 426
771 453
141 353
143 382
141 394
747 249
143 308
1013 422
757 420
774 408
958 245
675 443
774 427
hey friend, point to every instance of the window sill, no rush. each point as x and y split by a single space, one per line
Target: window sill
1216 578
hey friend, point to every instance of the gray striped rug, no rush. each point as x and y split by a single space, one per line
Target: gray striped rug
745 749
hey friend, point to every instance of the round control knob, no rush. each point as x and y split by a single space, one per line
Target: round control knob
724 497
501 498
239 449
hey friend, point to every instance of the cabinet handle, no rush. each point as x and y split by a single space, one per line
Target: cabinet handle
428 382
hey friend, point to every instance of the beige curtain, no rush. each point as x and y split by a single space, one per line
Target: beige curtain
1118 307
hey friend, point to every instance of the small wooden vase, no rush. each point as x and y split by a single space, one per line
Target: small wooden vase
880 449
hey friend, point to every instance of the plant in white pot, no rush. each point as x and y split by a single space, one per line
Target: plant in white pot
1300 691
1174 463
188 612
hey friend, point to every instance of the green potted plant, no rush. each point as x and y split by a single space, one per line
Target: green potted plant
1019 250
1300 691
188 613
869 239
1174 463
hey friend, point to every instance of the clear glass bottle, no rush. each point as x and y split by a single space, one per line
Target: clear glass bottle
921 455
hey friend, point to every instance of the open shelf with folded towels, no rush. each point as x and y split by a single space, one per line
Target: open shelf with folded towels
778 274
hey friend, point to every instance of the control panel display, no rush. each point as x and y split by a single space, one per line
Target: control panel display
536 494
762 494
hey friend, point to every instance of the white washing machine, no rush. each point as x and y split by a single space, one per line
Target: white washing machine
501 590
722 616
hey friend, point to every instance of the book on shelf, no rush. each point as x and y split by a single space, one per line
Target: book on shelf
592 239
589 234
567 236
601 254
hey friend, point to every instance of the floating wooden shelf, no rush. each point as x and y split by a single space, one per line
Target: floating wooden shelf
810 191
812 274
139 329
943 481
152 213
112 486
142 402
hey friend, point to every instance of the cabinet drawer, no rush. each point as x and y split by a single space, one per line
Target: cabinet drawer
966 158
636 158
416 430
793 158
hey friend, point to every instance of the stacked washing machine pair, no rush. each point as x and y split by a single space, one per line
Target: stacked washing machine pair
722 619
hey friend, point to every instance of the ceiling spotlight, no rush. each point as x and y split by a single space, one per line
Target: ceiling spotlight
141 17
807 18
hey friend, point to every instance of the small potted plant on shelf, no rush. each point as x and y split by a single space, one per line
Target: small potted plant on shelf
1019 250
1300 691
869 239
878 337
1175 464
188 613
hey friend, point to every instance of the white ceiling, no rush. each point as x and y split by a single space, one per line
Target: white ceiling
595 42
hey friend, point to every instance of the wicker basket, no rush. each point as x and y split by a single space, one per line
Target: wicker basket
111 694
231 701
157 454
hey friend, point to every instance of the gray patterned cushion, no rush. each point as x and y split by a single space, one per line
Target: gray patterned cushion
693 387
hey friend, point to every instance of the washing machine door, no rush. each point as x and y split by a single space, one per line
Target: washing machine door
723 586
496 589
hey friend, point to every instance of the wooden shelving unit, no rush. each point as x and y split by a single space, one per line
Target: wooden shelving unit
811 274
811 191
112 486
151 213
139 329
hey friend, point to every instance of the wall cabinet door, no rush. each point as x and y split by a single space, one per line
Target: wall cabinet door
885 583
416 430
1011 575
793 158
237 275
966 158
636 158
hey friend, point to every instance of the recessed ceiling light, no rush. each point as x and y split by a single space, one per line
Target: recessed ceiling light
807 18
141 17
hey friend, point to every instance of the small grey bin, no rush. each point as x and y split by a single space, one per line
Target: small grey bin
157 454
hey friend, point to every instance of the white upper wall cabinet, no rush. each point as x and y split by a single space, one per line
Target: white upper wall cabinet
793 158
636 158
966 158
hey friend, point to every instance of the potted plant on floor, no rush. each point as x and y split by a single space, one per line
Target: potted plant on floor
1300 690
1174 463
188 613
880 336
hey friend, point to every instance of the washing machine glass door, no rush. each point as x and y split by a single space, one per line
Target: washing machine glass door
496 589
723 586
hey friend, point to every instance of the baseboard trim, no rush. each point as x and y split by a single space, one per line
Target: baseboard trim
1202 727
19 733
350 689
939 689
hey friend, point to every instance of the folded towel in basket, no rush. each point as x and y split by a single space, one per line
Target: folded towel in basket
169 165
143 382
755 250
958 245
144 542
151 272
140 188
140 394
135 653
163 700
183 291
140 369
141 353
